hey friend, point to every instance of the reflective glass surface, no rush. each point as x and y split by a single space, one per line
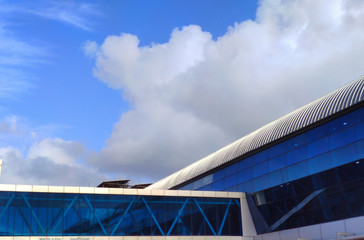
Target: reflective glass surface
326 196
66 214
329 145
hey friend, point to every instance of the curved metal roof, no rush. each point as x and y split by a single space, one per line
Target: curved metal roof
324 107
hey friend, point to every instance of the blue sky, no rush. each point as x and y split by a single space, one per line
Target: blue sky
101 90
59 89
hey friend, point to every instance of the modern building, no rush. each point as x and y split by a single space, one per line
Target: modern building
303 173
299 177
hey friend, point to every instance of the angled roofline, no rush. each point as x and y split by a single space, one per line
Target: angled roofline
324 107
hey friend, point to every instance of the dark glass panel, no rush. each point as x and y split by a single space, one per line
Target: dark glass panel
343 122
342 138
326 196
344 155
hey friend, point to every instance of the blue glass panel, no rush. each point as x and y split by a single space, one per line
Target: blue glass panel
360 114
218 185
359 131
319 132
342 138
207 180
207 188
231 181
297 171
233 189
360 148
197 184
277 149
260 157
275 178
320 163
260 169
261 183
284 173
231 170
296 155
245 163
57 207
29 214
277 163
246 187
344 121
318 147
185 187
245 175
218 175
344 155
296 142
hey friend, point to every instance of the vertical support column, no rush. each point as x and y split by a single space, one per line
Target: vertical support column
249 231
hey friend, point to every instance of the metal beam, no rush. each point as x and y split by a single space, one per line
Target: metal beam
33 213
203 214
224 219
94 214
64 214
177 217
151 213
123 215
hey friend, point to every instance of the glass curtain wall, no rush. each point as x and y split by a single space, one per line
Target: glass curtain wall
62 214
329 145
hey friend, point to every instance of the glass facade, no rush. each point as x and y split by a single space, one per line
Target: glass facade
314 177
327 196
66 214
329 145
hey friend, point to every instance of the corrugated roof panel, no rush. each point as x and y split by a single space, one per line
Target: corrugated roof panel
326 106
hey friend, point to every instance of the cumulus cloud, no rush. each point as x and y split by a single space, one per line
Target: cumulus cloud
49 162
193 94
36 158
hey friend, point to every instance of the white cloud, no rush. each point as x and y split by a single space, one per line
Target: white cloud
31 156
70 12
60 151
49 162
193 94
